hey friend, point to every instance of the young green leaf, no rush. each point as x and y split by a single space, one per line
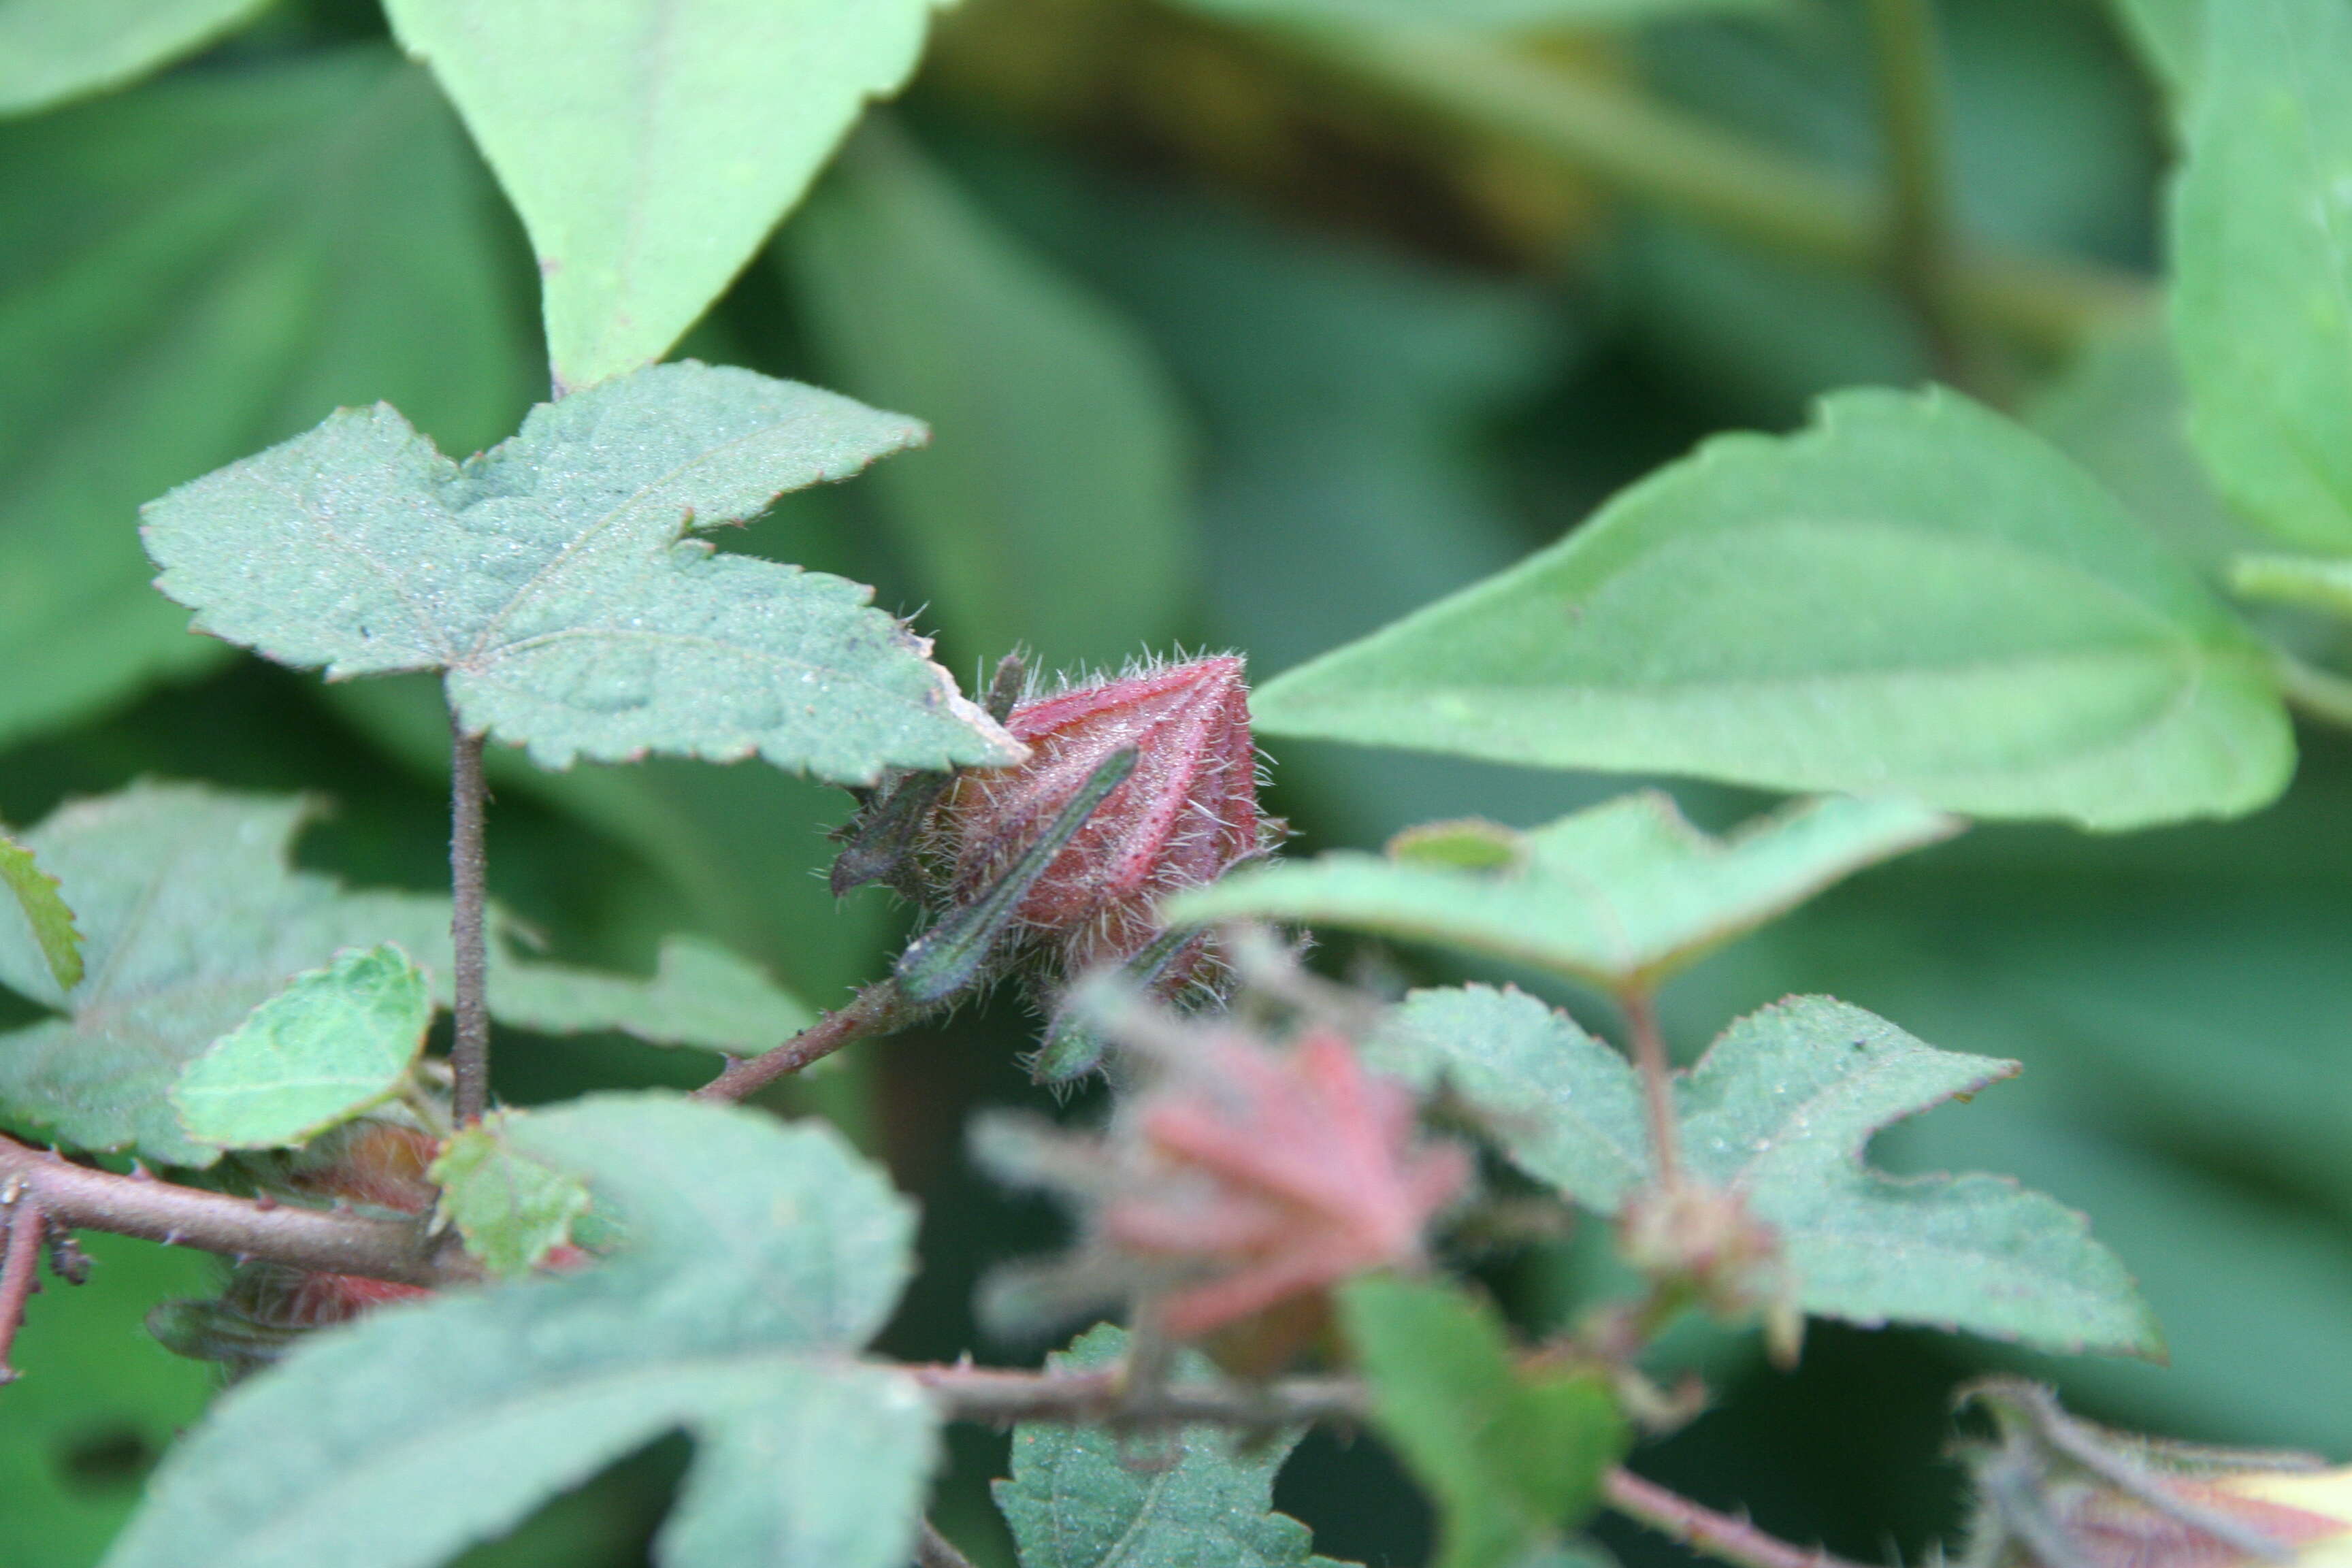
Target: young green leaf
511 1209
335 1042
47 919
2261 244
1621 895
553 579
759 1258
53 51
190 271
700 994
1778 1112
1914 597
1510 1459
650 146
192 916
1052 511
1076 1498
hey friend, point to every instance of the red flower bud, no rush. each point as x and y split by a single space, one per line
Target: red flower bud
1187 812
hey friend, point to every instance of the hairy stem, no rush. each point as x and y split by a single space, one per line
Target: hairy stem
469 1052
934 1550
1919 230
1725 1537
20 1265
1657 1082
876 1010
313 1239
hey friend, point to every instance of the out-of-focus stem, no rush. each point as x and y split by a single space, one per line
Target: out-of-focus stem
469 1052
1657 1083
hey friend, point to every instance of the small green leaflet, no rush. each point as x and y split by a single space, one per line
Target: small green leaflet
1077 1499
1510 1459
511 1209
192 916
335 1042
650 145
700 994
553 579
1915 596
2261 246
45 911
759 1258
1779 1110
1619 895
53 51
2316 583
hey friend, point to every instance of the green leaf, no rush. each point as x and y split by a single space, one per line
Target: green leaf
52 50
2315 583
195 270
49 921
511 1209
1051 510
2262 245
759 1258
1077 1499
1619 895
1499 14
2169 37
650 147
193 917
1511 1459
335 1042
553 579
1915 596
1780 1111
700 994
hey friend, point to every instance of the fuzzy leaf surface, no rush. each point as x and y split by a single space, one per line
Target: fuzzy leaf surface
2261 241
1779 1110
1619 895
700 994
192 916
511 1209
1075 1499
335 1042
46 918
553 579
1913 597
1510 1460
759 1259
53 51
650 145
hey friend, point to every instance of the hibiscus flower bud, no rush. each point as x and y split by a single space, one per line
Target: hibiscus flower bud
1186 813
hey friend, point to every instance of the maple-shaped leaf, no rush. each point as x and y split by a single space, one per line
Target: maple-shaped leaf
1077 1499
758 1259
192 916
1621 895
47 919
1778 1112
553 579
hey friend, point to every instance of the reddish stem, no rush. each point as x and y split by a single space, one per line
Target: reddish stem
875 1010
469 1051
1657 1082
1719 1535
19 1267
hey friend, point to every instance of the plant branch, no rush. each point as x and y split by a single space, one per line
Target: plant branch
1918 225
1657 1082
994 1396
469 1052
876 1010
2315 693
316 1240
1725 1537
20 1265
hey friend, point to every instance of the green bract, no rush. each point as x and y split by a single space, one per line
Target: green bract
553 579
333 1043
1915 596
1778 1112
1619 895
759 1259
650 145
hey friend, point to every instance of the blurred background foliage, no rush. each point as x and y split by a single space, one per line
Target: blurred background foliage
1233 335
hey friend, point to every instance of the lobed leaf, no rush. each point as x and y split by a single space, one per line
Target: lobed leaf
1915 596
553 579
1511 1458
1077 1499
337 1041
2261 243
48 919
650 145
54 50
1619 895
759 1258
1779 1110
510 1209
